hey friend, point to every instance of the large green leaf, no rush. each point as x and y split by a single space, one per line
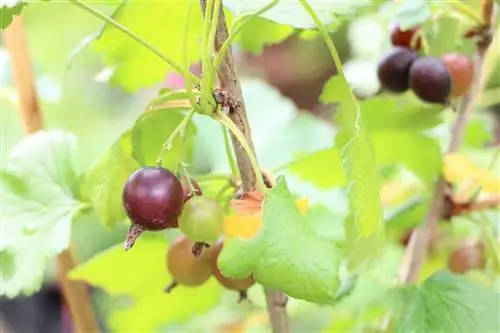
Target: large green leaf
7 12
447 303
38 191
162 25
260 32
292 13
142 275
322 168
152 130
420 153
159 24
103 182
364 227
286 254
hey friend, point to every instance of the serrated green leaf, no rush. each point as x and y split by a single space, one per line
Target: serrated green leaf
38 191
322 168
292 13
310 273
103 182
364 227
447 303
151 131
411 13
142 275
7 13
389 113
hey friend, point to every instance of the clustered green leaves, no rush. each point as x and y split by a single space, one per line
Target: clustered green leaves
42 192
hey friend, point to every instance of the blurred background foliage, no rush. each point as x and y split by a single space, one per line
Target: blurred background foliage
76 96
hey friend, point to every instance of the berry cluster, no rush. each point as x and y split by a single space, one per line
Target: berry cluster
432 79
155 199
189 270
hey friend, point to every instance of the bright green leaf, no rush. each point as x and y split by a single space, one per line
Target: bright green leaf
389 113
364 227
7 12
38 191
477 134
103 182
259 32
420 153
293 14
322 168
447 303
411 13
311 273
152 130
142 275
157 23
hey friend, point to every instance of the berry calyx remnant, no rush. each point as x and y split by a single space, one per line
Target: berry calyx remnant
185 268
153 200
404 38
240 285
461 71
188 193
202 220
430 80
394 69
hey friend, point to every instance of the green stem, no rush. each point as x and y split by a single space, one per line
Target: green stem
331 47
210 47
206 60
462 8
186 73
235 31
132 35
178 130
229 152
228 123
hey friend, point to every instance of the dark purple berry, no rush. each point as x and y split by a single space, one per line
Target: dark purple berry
430 80
393 69
153 198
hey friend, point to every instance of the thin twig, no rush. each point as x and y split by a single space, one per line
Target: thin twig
420 239
228 81
75 293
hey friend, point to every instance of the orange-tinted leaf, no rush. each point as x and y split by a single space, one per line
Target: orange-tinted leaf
248 219
250 203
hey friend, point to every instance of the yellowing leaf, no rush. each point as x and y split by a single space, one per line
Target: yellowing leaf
248 225
459 167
